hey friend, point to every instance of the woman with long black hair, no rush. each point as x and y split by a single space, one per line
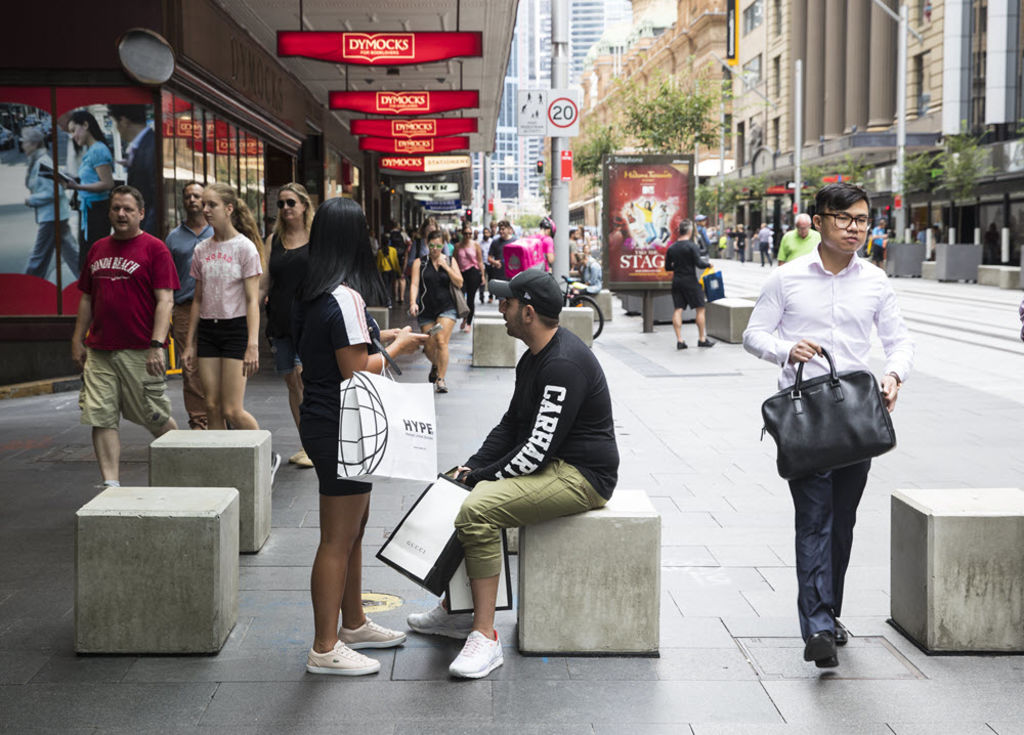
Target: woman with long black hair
335 338
95 180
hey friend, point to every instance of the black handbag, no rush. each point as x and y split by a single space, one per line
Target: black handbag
827 422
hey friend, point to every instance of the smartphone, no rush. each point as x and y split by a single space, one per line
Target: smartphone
434 330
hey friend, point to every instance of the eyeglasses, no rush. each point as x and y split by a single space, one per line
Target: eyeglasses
843 220
282 203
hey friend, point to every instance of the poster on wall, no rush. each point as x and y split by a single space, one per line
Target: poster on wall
645 199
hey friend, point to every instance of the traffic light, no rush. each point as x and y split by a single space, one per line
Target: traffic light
540 167
469 215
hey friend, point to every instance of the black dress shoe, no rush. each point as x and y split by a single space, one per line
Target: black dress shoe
820 647
827 663
842 634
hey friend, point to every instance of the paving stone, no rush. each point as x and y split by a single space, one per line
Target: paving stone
65 667
861 658
18 667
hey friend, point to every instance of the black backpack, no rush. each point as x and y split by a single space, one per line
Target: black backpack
397 242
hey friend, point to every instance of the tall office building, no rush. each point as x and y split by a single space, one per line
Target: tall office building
588 20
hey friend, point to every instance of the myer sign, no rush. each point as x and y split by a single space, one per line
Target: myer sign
431 188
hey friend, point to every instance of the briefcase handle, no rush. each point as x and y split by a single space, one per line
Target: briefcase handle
796 394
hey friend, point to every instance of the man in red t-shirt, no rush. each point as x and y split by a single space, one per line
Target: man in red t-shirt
127 286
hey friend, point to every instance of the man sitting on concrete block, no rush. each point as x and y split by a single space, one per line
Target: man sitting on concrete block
552 454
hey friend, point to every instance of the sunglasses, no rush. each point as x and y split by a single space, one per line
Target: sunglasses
432 246
282 203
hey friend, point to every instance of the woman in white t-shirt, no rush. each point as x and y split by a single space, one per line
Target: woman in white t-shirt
223 331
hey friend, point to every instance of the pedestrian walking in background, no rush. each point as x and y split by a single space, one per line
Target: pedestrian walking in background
764 244
95 180
182 241
286 253
739 237
224 327
127 290
799 241
470 257
400 243
829 300
51 222
879 243
496 253
430 301
552 454
683 259
334 337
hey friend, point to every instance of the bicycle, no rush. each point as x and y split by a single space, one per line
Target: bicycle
574 296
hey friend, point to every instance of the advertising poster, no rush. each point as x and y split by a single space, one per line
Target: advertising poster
645 199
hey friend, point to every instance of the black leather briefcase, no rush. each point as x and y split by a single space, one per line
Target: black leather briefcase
828 422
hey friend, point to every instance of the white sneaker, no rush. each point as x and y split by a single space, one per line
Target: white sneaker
480 656
440 622
342 661
371 635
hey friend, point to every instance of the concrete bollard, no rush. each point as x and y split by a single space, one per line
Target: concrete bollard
156 570
605 304
957 572
492 345
727 318
238 459
581 576
580 321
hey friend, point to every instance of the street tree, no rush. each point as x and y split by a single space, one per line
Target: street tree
964 162
671 113
597 141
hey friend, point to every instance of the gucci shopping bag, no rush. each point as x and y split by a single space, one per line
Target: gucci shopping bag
460 595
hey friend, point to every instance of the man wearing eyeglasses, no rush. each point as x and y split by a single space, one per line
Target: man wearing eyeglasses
829 299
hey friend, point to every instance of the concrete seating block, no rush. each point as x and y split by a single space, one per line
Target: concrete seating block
727 318
590 583
957 569
903 259
605 304
381 314
238 459
928 269
156 570
580 321
1001 276
492 345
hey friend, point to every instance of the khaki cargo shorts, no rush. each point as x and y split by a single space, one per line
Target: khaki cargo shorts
115 382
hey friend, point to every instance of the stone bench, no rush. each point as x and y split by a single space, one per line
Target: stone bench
580 321
605 304
1002 276
156 570
957 568
591 583
492 344
727 318
381 314
238 459
928 270
955 262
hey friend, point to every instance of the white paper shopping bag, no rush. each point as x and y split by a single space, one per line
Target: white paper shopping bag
386 429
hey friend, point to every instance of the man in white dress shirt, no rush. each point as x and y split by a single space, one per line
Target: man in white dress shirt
829 298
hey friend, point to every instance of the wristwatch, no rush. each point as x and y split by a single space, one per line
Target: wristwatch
156 344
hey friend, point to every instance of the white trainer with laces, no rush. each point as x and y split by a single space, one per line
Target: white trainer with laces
440 622
370 635
480 656
342 661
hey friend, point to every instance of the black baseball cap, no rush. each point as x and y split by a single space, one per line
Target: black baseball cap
534 287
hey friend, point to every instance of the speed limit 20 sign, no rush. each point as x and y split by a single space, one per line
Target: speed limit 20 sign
564 113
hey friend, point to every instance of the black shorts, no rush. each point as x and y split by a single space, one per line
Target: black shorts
222 338
687 294
877 253
324 453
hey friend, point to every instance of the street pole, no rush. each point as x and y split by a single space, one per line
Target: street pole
798 140
901 128
559 188
486 181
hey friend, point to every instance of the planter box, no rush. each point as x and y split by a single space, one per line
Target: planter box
904 259
957 262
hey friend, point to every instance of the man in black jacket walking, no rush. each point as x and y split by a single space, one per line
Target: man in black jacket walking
683 258
552 454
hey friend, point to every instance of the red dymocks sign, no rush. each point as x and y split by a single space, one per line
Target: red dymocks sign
414 145
390 49
403 103
415 128
425 164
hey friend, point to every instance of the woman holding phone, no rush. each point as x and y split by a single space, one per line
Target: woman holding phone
335 336
433 304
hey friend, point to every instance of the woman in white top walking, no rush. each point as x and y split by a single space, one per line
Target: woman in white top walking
223 330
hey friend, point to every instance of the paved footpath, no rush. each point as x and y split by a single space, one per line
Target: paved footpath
689 427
